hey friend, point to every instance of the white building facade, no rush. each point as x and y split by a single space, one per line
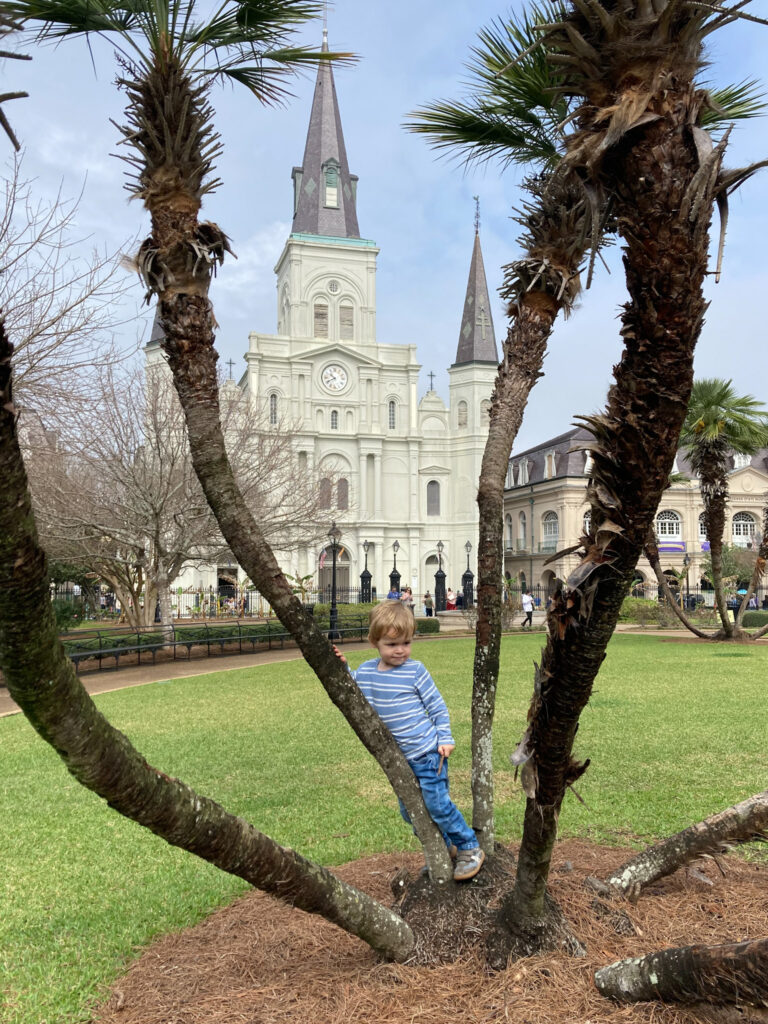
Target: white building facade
391 467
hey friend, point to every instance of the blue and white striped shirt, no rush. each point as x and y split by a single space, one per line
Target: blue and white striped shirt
408 702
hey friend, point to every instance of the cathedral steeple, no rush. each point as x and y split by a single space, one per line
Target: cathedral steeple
477 341
323 189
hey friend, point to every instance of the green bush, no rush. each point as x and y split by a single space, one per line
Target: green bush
66 613
639 610
424 626
754 620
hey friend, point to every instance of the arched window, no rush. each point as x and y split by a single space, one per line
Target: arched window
273 410
521 532
392 415
587 523
334 419
510 543
342 494
433 498
324 493
550 529
510 475
522 477
702 527
462 414
485 412
668 525
742 529
321 320
549 466
346 322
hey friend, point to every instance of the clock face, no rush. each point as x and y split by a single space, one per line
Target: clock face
334 377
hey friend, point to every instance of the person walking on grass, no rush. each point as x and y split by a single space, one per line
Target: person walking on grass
405 697
527 600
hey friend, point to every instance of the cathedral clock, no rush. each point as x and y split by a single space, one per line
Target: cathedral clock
334 377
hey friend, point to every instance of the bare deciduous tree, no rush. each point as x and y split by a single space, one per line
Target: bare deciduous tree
116 491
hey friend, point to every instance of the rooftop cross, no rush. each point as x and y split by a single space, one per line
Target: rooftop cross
230 364
431 381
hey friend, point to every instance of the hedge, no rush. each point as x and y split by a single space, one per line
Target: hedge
755 620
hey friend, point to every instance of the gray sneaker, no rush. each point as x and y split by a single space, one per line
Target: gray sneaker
468 863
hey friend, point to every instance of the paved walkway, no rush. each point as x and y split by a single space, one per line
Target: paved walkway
137 675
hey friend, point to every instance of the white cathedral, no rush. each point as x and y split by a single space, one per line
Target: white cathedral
391 468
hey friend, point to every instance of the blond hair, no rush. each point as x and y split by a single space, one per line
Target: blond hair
391 618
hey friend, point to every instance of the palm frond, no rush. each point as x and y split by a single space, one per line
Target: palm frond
733 103
513 110
717 415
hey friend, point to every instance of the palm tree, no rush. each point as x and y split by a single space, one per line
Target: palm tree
719 423
632 69
513 114
168 61
516 112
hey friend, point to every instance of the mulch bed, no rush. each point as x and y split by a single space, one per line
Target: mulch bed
260 962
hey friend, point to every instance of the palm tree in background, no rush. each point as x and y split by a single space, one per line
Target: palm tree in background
720 423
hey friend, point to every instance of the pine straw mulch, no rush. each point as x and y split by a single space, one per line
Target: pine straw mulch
260 962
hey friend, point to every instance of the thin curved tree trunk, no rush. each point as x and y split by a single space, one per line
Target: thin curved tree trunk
176 264
653 178
652 554
524 351
736 973
42 681
745 822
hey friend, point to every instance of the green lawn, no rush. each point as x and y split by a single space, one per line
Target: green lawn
675 732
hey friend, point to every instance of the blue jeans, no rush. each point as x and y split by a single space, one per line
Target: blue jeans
442 810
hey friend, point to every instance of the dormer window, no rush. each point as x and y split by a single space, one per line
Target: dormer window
741 461
331 176
549 466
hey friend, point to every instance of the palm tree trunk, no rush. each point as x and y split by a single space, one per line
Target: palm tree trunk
715 500
652 554
665 259
732 973
745 822
524 351
187 323
42 681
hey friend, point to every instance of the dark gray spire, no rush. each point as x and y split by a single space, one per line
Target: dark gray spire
324 192
477 341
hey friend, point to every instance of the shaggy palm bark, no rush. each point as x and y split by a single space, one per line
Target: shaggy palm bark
736 973
42 681
176 264
745 822
524 351
711 466
663 209
557 224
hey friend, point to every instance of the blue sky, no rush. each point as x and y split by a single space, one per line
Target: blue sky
417 208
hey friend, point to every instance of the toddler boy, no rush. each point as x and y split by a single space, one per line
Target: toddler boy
406 699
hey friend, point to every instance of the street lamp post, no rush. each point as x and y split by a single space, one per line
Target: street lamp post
365 578
467 581
334 535
440 580
394 576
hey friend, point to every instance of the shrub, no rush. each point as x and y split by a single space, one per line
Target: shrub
66 613
642 611
754 620
424 626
